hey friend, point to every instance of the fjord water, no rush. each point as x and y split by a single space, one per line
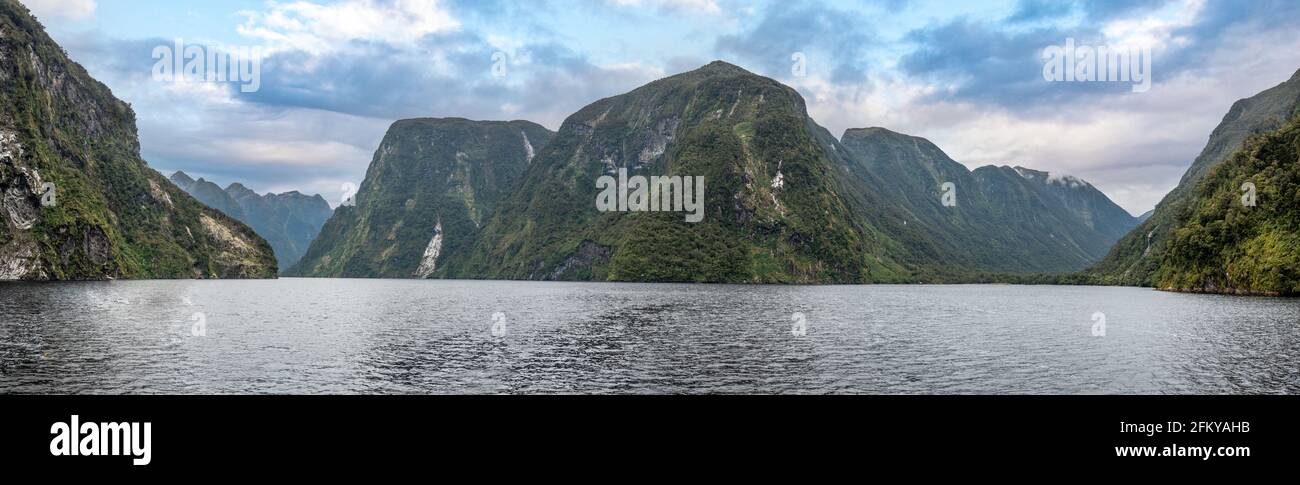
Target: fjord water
313 336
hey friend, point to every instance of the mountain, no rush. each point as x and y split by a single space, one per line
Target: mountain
774 210
1223 244
785 203
430 187
78 201
1003 219
288 221
210 194
1136 258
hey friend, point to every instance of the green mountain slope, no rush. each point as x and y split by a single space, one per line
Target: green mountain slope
776 209
288 221
1224 245
111 215
429 189
1004 219
1135 259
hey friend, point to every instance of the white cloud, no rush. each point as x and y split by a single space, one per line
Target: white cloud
1154 31
1133 147
319 28
62 9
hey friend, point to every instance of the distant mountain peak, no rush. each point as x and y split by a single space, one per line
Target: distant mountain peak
182 180
1068 181
287 221
238 190
1030 174
723 67
713 70
873 131
876 145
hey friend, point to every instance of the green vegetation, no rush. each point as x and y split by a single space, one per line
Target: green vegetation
1008 220
785 202
1137 257
735 129
426 173
1223 245
114 217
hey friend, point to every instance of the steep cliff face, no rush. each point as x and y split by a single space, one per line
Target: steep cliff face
428 191
773 209
1135 259
288 221
77 201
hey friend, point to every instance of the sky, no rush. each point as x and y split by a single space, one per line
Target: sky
967 75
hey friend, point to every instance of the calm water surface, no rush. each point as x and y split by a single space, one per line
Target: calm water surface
299 336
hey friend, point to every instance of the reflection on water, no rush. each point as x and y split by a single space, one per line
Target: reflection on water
301 336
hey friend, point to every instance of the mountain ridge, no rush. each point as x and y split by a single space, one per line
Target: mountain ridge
892 237
79 203
289 221
990 227
767 218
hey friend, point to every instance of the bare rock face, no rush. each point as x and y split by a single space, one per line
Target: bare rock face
429 263
19 210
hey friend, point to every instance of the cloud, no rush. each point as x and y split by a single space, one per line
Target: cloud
837 39
985 61
65 9
339 73
444 75
1134 147
314 27
321 113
